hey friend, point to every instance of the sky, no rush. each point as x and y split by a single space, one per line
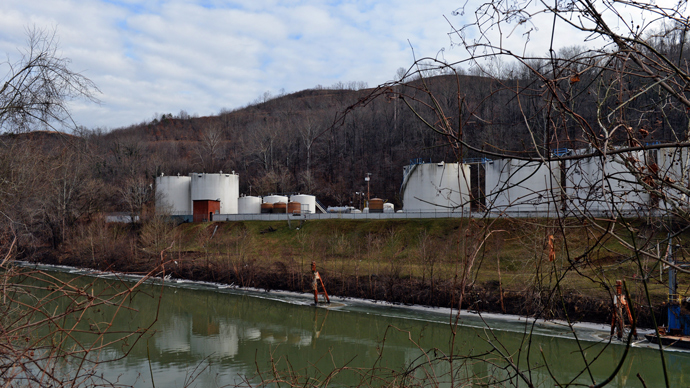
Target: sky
155 57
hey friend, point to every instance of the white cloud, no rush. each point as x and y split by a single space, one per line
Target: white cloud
201 56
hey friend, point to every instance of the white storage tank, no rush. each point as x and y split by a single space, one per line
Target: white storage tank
249 205
388 207
435 187
275 198
173 195
308 202
340 209
674 166
517 185
605 185
217 187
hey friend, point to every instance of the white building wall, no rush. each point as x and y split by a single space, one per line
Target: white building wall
516 185
436 187
173 195
223 187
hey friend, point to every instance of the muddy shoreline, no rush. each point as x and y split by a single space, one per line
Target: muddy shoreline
286 276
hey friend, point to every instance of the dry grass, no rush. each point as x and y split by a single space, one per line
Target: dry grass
428 251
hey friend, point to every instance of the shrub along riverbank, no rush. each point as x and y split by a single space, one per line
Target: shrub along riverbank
503 265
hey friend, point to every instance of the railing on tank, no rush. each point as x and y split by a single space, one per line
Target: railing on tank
476 160
560 152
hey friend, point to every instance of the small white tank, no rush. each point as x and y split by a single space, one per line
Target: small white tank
308 202
339 209
388 207
249 205
275 198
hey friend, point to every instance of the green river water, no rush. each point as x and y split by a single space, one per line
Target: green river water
217 336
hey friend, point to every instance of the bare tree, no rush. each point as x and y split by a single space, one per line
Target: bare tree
42 193
69 193
136 192
211 149
37 87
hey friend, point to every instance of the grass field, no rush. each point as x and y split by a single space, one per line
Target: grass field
511 253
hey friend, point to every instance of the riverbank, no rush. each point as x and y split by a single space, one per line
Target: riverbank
503 264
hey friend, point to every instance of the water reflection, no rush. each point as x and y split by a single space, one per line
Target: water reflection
231 335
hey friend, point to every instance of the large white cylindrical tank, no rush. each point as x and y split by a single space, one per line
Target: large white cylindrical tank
249 205
674 167
605 184
517 185
173 195
436 187
308 202
217 187
275 198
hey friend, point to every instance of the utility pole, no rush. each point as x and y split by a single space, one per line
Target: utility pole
367 179
672 280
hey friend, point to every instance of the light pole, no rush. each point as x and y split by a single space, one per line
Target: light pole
367 179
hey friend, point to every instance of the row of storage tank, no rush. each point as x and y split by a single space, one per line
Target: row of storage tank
176 195
588 183
298 203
